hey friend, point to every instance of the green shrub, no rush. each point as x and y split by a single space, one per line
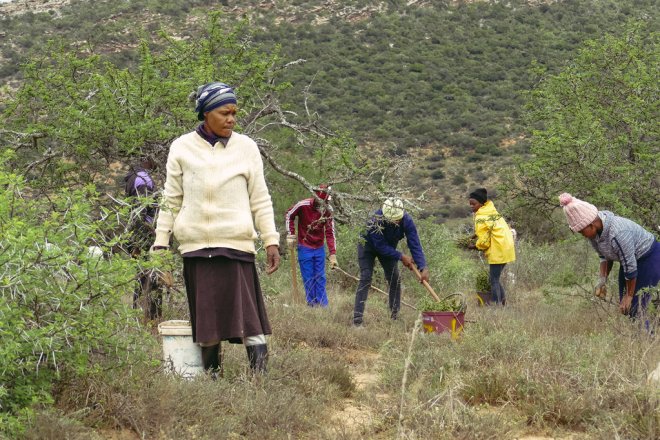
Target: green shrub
437 174
451 271
61 309
458 179
598 115
483 281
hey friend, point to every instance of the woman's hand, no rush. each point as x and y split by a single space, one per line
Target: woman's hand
425 275
272 258
624 305
626 301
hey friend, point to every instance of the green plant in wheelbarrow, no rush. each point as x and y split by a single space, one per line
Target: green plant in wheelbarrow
450 303
483 288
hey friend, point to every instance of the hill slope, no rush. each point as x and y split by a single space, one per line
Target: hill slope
447 79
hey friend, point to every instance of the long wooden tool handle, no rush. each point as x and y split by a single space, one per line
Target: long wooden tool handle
373 287
294 277
427 285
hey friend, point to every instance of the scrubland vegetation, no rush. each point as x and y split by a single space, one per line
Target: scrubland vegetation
555 362
447 80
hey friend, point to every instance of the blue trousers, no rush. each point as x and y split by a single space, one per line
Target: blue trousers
648 275
367 260
312 269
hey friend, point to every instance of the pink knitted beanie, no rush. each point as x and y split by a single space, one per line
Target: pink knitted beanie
578 212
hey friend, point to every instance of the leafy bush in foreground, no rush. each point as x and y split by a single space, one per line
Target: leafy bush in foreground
61 313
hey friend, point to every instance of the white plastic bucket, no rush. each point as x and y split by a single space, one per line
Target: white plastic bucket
181 355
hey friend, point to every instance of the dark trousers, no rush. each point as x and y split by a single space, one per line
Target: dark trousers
366 260
497 290
149 292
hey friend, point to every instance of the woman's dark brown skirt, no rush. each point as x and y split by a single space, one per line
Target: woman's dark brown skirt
224 298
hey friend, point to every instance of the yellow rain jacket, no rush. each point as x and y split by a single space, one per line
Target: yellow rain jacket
494 236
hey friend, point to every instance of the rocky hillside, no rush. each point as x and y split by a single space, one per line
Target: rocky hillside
14 7
446 81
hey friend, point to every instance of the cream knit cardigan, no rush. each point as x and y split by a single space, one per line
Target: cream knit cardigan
214 196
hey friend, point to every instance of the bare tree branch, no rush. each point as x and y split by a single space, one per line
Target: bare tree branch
47 156
23 135
32 139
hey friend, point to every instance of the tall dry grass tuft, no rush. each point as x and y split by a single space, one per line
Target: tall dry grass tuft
404 380
54 424
301 384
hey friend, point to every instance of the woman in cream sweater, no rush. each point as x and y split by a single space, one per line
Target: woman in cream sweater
215 195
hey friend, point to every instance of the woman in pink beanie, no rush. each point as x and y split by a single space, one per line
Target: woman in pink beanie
617 239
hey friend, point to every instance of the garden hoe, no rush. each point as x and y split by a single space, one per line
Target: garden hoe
373 287
425 283
294 277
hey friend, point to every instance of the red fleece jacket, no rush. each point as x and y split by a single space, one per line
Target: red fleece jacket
312 225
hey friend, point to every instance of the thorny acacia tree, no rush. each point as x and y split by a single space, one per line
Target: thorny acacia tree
596 130
75 114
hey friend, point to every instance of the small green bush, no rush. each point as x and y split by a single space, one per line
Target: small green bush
483 281
61 308
437 174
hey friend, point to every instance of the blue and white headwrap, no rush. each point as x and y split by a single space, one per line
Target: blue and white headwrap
213 95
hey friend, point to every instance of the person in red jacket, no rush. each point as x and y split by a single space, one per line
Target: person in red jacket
315 225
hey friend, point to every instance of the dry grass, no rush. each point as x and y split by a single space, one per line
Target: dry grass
554 363
537 367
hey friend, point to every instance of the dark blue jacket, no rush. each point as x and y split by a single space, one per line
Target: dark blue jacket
382 238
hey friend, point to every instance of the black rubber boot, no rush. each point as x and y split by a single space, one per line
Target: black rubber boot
258 357
211 359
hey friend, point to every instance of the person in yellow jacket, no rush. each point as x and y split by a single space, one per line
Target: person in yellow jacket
494 238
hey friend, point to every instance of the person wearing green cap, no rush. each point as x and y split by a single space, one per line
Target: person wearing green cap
384 230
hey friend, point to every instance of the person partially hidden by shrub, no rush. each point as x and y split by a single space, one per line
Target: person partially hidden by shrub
493 238
140 189
617 239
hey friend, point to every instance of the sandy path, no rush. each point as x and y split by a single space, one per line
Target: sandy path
353 419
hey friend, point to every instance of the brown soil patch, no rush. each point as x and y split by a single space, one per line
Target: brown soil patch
123 434
352 418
